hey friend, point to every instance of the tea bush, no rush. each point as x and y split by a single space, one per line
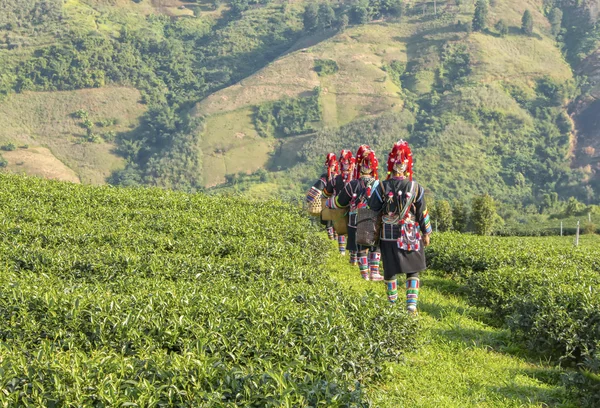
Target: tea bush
156 298
545 289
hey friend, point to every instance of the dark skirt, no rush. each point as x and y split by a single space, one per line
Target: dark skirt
397 261
351 241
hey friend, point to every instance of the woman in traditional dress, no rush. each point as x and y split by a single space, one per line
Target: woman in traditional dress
315 192
333 188
354 196
406 227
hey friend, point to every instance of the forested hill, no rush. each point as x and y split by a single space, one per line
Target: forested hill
497 97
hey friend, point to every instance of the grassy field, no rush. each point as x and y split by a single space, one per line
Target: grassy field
45 119
230 145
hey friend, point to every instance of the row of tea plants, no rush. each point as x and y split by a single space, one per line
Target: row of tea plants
143 297
545 289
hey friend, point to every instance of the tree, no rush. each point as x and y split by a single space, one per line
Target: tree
555 18
459 216
239 6
443 215
360 12
342 22
573 206
502 28
311 17
393 8
527 23
326 16
483 214
480 16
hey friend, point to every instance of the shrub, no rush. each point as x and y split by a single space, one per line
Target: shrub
326 67
80 114
589 228
544 289
9 147
109 136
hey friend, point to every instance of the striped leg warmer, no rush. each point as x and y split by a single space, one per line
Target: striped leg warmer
392 290
412 294
342 244
374 259
353 258
330 232
363 266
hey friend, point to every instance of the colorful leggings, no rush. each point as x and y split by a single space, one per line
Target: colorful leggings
412 290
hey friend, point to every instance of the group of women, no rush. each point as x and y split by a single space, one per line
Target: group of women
352 182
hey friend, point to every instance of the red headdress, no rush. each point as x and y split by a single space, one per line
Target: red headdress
347 163
369 161
401 158
359 156
333 167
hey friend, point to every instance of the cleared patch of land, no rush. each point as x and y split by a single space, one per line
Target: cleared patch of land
231 145
38 161
47 119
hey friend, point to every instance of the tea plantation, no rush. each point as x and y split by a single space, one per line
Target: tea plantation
144 297
153 298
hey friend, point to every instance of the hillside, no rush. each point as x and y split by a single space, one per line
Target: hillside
248 97
460 96
49 119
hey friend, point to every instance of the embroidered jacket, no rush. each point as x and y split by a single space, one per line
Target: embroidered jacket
389 198
335 186
353 195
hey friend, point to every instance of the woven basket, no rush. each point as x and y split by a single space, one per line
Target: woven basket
327 214
368 227
340 221
314 208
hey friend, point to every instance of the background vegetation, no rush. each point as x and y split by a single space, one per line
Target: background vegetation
491 111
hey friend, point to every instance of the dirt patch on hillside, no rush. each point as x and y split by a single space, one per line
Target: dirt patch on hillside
47 119
39 161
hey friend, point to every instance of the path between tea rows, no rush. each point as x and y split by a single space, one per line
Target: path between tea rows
461 358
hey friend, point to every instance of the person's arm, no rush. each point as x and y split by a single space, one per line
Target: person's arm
328 190
422 214
344 198
316 189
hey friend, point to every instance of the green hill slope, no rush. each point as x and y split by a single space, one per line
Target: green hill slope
249 96
468 103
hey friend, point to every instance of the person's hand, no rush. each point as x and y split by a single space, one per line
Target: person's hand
426 239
